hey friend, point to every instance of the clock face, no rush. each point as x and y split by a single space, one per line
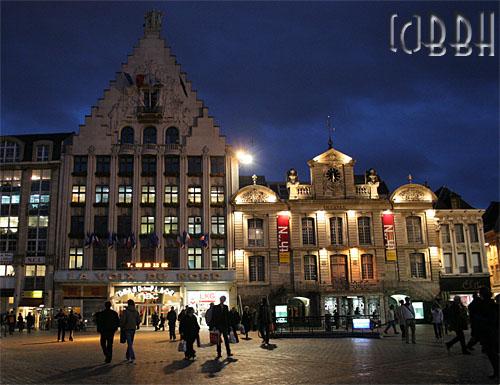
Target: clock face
333 175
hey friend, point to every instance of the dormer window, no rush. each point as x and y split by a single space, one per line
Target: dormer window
9 152
42 152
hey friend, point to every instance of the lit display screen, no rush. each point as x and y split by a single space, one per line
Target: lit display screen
361 323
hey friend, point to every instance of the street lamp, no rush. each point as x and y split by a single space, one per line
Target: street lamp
244 157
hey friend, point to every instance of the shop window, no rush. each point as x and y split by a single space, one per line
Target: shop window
217 194
149 165
148 194
172 136
447 263
172 257
462 262
459 233
338 267
195 258
126 165
476 263
171 225
336 231
414 229
149 136
102 194
194 194
147 225
218 225
78 194
9 152
172 165
195 165
172 194
308 231
310 268
256 268
417 265
42 152
445 233
255 232
367 266
127 135
217 165
125 194
219 258
7 271
102 165
77 229
80 164
194 225
473 235
364 231
75 258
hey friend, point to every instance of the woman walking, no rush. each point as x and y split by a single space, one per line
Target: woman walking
437 321
129 322
246 320
189 331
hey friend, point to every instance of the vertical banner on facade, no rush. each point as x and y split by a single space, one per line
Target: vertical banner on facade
284 238
389 237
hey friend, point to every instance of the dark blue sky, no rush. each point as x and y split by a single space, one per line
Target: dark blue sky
270 73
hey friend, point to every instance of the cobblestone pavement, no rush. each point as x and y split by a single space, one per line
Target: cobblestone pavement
38 358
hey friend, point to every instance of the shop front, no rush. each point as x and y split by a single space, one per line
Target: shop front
464 287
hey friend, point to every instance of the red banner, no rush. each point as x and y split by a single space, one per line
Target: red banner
284 238
389 237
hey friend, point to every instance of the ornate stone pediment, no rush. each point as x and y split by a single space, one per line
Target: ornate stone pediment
255 194
413 193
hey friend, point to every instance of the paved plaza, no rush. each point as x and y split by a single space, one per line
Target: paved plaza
38 358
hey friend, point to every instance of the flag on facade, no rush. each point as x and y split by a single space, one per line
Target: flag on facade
88 240
154 241
183 239
94 239
204 240
130 241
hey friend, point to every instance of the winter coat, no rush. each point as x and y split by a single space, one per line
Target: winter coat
265 317
246 320
220 318
189 328
72 320
107 321
458 317
171 317
234 318
437 316
130 319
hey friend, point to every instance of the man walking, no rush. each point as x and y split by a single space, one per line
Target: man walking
107 323
61 325
265 320
473 316
130 322
458 323
220 321
391 320
400 319
171 318
408 313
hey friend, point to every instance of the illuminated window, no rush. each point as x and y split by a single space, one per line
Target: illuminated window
42 152
217 194
40 174
256 268
338 267
417 265
171 194
75 258
78 194
459 233
414 229
34 277
473 235
364 231
195 258
9 152
124 194
255 232
445 233
219 258
171 225
194 194
367 266
101 194
218 225
7 271
147 225
462 262
148 194
9 225
38 221
476 263
336 229
308 231
447 263
310 268
194 225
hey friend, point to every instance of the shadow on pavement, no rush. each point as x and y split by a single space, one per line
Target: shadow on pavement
77 374
42 343
163 341
268 346
177 365
212 367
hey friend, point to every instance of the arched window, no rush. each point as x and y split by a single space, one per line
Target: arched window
172 136
10 151
127 135
149 136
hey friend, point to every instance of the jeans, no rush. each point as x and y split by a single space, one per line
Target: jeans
410 325
389 325
223 334
129 335
438 330
264 331
190 352
171 330
107 344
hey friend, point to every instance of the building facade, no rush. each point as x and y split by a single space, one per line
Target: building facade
29 192
491 220
143 210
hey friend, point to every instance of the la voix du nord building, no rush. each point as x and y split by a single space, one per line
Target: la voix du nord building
146 203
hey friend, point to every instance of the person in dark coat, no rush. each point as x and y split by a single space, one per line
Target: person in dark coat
189 331
20 322
473 316
155 320
11 322
458 323
234 321
265 320
220 321
488 317
246 320
107 322
30 322
72 321
162 323
171 318
61 319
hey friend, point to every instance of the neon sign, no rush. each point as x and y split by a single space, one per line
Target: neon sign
147 292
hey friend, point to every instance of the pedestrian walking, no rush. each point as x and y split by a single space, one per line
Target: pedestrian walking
336 319
172 319
446 317
488 317
208 314
181 315
189 331
11 322
246 320
391 320
458 323
107 322
72 322
220 322
234 321
130 322
62 320
401 320
473 317
20 323
30 322
162 322
155 320
265 320
437 321
408 313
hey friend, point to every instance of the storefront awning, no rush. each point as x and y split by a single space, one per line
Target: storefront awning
31 302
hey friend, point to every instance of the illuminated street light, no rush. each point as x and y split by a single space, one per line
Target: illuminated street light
244 157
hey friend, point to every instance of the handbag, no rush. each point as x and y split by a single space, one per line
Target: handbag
214 336
123 337
182 346
232 338
242 329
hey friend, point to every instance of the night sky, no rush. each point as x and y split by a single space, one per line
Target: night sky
270 73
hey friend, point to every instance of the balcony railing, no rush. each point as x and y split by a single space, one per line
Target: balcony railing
366 191
149 114
301 191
